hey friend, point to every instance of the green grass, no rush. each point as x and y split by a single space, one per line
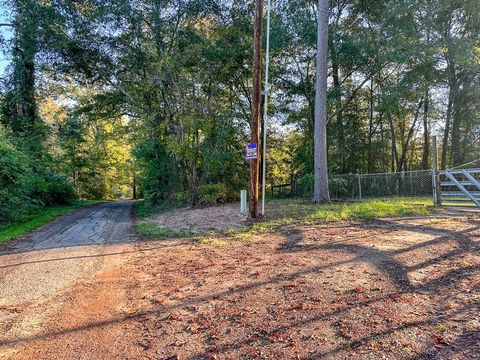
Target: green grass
142 210
283 214
152 231
291 212
371 209
149 230
39 218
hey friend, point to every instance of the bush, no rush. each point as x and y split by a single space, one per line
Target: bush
15 176
59 190
305 185
336 185
182 197
24 187
211 194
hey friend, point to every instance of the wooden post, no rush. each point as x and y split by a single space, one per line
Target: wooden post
256 106
360 195
134 195
437 194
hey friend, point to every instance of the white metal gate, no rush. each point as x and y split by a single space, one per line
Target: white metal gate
460 186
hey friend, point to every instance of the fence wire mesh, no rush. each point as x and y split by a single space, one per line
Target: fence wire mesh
360 186
404 184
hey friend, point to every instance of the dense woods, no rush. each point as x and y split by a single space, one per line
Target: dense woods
104 97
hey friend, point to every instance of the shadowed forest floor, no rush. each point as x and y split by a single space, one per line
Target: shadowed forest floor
404 288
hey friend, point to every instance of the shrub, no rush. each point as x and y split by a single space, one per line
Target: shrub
336 185
14 165
15 177
211 194
60 191
305 185
25 187
182 197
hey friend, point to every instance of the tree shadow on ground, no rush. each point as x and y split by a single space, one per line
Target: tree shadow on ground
383 260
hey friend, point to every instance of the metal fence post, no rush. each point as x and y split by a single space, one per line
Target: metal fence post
411 184
360 186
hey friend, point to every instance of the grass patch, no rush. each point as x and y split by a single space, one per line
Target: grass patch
152 231
291 212
369 210
283 214
144 210
141 210
149 230
37 219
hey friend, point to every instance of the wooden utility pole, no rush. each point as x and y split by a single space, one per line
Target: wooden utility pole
256 106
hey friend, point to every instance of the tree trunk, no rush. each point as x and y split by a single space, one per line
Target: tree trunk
459 99
321 191
338 111
426 133
370 130
451 95
25 121
134 187
394 142
402 163
194 182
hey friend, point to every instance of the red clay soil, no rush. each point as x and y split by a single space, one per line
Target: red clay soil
389 289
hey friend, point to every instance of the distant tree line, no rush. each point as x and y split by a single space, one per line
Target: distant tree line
157 93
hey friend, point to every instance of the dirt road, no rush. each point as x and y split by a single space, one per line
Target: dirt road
81 288
37 272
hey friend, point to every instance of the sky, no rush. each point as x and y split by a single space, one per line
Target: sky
6 33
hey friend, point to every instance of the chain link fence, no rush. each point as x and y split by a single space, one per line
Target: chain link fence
360 186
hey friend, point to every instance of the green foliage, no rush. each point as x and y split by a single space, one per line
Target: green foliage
293 212
15 175
160 179
142 210
306 182
338 185
182 197
24 188
152 231
53 189
171 83
211 194
305 185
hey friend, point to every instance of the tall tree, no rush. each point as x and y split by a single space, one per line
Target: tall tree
321 191
20 106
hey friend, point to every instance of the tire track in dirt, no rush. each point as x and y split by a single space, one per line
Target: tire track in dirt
63 276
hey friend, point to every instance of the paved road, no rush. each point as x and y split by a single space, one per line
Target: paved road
75 247
62 252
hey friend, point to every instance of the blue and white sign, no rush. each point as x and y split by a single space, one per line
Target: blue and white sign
252 151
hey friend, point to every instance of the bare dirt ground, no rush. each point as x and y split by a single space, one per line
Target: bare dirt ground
385 289
202 220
